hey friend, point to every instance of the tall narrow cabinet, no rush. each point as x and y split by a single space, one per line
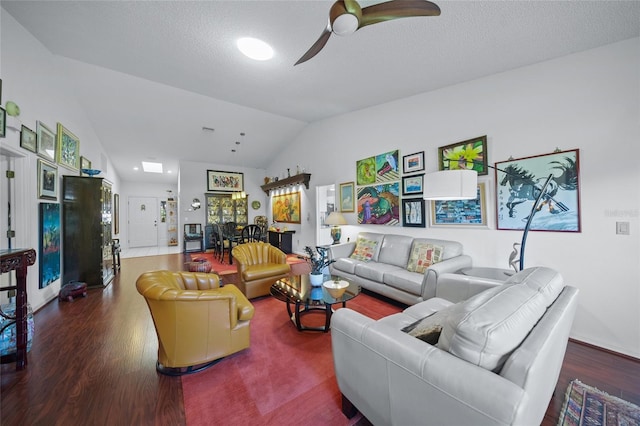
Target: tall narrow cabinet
86 230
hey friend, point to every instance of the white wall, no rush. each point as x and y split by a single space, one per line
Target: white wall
588 101
31 77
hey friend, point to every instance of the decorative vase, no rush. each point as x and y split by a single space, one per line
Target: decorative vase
316 279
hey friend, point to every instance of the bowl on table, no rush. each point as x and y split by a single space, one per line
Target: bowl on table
336 288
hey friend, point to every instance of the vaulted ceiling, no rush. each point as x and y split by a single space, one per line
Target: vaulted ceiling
152 74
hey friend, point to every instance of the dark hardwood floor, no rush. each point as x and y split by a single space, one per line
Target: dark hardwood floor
93 362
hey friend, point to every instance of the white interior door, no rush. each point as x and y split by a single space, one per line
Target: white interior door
143 221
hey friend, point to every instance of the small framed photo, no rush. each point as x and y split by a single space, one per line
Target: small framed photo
460 213
412 184
47 181
413 212
68 148
46 142
467 155
28 139
224 181
413 162
3 122
347 202
84 164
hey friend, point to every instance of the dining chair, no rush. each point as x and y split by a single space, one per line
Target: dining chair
230 238
263 223
251 234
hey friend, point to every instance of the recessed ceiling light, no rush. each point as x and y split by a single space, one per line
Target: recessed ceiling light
255 49
152 167
136 168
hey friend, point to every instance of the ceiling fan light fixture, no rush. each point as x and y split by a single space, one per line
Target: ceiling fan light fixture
345 24
255 49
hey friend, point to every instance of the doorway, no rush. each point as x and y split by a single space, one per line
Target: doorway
143 221
326 203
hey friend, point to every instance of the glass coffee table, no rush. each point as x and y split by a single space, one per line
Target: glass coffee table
297 292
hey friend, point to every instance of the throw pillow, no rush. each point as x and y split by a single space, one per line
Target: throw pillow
424 255
364 249
428 329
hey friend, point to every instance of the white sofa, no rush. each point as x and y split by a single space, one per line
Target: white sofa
496 362
386 272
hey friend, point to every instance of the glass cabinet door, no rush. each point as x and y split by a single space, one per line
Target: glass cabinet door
222 209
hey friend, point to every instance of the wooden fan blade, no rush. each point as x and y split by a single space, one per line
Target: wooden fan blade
317 46
397 9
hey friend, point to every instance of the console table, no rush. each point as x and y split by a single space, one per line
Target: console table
282 240
18 260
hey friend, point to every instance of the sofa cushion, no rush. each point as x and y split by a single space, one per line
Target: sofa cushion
486 328
365 249
404 280
374 271
395 249
346 264
424 255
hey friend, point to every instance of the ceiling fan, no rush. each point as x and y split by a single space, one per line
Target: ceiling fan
346 17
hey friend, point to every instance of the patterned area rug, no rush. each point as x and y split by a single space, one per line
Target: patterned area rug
586 405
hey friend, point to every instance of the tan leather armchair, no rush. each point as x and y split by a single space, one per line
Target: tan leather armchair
259 266
197 321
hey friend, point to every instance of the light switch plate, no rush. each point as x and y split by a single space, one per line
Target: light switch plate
622 228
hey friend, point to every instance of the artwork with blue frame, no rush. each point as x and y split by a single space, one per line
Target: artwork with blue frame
49 243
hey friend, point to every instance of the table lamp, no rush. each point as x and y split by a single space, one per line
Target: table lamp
335 219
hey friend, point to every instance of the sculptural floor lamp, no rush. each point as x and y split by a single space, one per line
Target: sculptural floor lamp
462 185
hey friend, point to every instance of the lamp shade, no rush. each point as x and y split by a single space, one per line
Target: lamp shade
451 185
336 218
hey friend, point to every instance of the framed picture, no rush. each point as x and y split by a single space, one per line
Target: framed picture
116 214
413 212
28 139
412 184
224 181
286 207
413 162
347 197
0 90
379 205
46 142
47 181
68 148
84 164
518 184
388 166
468 213
366 171
3 122
49 255
470 155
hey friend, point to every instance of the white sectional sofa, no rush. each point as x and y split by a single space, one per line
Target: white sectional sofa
388 269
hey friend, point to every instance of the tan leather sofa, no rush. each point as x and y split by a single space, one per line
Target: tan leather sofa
196 320
259 266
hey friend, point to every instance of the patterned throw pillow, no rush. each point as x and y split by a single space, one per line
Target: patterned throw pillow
364 249
424 255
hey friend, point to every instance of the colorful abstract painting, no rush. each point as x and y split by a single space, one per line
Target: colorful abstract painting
379 204
49 243
286 207
366 171
387 166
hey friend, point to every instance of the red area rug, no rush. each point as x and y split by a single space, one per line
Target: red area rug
586 405
222 268
286 377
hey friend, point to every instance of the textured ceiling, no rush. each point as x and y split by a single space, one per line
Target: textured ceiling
191 46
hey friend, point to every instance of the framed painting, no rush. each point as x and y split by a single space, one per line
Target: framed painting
347 197
49 256
225 181
366 171
467 213
469 155
46 142
413 212
519 182
3 122
286 207
379 204
28 139
84 165
412 184
68 148
47 181
387 166
413 162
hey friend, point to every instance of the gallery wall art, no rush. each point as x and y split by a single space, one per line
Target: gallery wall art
461 213
224 181
286 207
387 166
379 204
470 155
49 243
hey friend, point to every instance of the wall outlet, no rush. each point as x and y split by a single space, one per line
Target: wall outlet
622 228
